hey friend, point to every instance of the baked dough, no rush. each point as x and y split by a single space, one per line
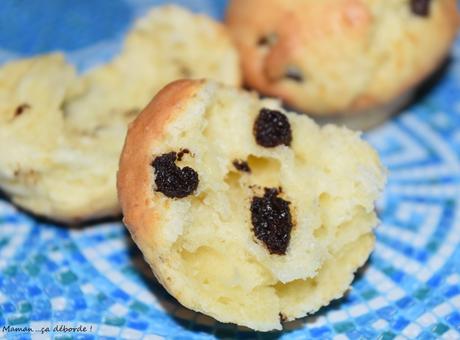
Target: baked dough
61 134
340 57
245 212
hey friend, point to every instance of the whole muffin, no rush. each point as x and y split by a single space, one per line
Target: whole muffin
239 216
336 57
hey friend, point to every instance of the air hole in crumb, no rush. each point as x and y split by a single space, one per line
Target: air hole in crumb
297 289
233 179
265 170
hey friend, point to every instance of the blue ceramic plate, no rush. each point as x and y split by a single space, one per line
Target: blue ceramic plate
94 279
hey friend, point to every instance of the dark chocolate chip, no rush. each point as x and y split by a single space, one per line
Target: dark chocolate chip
420 7
182 153
171 180
294 73
283 318
263 41
272 128
241 165
20 109
267 40
272 222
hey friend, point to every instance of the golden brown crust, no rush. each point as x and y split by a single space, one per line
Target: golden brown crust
134 178
348 58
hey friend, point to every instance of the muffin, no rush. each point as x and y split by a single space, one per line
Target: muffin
62 133
341 57
246 212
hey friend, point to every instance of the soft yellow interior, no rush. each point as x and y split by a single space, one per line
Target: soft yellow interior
329 175
63 150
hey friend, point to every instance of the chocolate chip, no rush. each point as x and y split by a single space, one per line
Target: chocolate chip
294 73
272 222
241 165
20 109
268 40
283 318
171 180
420 7
182 153
272 128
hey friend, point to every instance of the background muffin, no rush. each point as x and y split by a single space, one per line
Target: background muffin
63 133
340 56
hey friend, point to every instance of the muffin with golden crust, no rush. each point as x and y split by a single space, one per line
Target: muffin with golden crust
62 133
338 57
244 211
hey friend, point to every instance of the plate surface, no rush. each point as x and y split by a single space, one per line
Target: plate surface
96 278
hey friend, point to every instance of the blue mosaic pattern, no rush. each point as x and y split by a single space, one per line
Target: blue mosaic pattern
95 277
